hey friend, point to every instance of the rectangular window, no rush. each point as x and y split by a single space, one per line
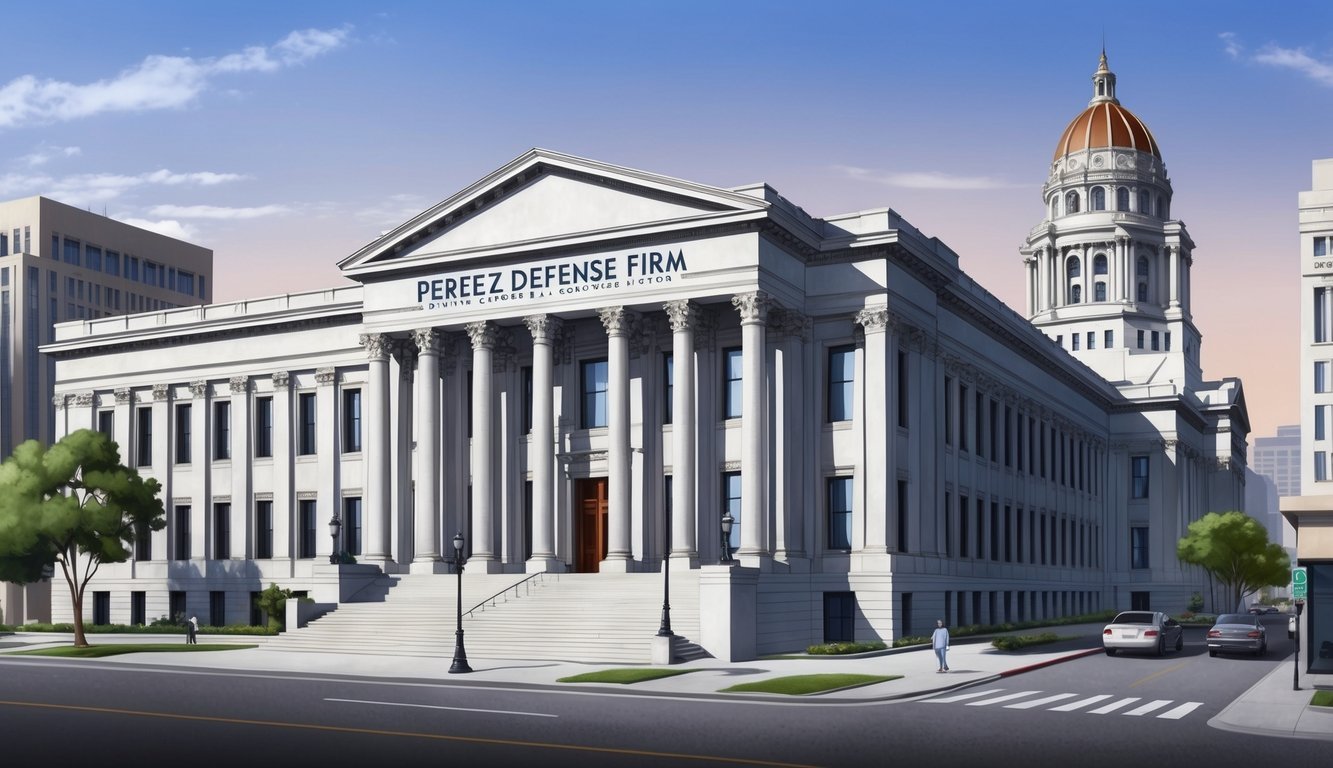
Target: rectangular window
138 608
1008 444
72 252
948 411
144 439
106 423
668 384
307 521
113 263
176 606
964 545
264 529
979 422
732 368
840 513
1320 466
221 430
143 543
1320 246
181 550
1320 414
994 430
1138 546
839 617
903 391
351 528
1321 380
525 407
994 531
93 258
306 417
1092 339
731 505
352 421
1008 535
101 608
594 376
1108 340
1140 339
1155 341
221 531
183 433
217 609
902 516
1074 340
962 417
263 427
841 376
1139 477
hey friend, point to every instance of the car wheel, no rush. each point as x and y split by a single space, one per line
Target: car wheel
1180 642
1161 646
1110 651
1212 653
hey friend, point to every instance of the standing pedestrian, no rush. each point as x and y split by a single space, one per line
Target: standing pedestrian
940 642
191 630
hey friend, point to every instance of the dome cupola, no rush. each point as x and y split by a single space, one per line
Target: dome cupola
1105 124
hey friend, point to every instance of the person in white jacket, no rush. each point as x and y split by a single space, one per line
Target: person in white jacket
940 642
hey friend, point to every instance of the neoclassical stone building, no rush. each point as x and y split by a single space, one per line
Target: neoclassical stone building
583 367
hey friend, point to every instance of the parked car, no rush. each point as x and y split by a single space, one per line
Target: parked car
1237 632
1259 610
1142 631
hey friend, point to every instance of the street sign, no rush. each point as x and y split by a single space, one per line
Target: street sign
1298 579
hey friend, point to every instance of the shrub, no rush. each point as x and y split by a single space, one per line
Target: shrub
1014 642
838 649
273 602
1196 603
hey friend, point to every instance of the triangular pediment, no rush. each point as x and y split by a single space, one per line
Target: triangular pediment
545 199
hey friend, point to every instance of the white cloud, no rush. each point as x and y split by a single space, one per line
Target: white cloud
85 189
217 212
1295 59
925 179
166 227
394 209
46 153
158 82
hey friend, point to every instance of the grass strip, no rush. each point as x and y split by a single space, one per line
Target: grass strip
624 676
801 685
1322 699
98 651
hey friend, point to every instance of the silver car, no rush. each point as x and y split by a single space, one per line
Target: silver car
1142 631
1238 632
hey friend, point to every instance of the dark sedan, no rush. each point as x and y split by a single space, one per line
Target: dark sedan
1237 632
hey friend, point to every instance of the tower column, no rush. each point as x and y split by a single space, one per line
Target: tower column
1175 274
541 448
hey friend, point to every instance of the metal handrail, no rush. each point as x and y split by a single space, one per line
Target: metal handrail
527 583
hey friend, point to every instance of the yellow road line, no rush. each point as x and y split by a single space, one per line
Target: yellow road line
408 734
1161 672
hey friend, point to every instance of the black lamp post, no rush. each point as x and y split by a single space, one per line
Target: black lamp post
460 655
727 522
335 526
665 629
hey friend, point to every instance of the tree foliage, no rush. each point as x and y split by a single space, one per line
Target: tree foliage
273 602
74 504
1234 548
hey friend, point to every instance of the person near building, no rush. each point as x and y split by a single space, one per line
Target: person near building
939 641
191 631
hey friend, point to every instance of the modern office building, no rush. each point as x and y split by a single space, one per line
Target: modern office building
1279 458
585 367
61 263
1311 513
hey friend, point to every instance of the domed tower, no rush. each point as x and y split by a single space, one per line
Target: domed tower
1108 270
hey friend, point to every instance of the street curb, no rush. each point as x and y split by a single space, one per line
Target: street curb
1049 662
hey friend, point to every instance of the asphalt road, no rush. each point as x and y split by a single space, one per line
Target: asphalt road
132 714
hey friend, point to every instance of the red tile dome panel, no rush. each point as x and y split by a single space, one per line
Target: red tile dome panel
1104 125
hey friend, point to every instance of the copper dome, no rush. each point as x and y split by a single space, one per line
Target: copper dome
1106 124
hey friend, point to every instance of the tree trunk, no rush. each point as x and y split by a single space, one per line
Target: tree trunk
80 640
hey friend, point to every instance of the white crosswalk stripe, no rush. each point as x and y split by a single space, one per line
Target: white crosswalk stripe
1122 706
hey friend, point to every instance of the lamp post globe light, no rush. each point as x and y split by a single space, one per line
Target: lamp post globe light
460 655
727 522
335 526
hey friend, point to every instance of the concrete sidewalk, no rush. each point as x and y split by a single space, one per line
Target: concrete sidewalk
1270 707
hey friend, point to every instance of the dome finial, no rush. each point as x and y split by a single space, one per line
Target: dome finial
1103 82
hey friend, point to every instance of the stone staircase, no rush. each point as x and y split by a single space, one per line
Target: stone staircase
602 618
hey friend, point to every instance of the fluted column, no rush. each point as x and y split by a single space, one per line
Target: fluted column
753 309
683 317
377 510
484 336
426 521
880 475
541 447
616 321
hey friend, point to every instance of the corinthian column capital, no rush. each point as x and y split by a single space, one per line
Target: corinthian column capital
544 328
753 307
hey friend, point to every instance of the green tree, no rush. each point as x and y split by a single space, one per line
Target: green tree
1234 548
273 602
74 504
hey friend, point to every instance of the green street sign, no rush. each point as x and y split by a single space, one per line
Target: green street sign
1298 580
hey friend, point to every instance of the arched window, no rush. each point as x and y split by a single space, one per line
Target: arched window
1099 264
1071 202
1145 206
1055 207
1122 198
1141 274
1074 270
1097 199
1075 294
1073 267
1099 291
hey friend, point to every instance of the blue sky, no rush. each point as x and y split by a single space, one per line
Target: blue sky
286 135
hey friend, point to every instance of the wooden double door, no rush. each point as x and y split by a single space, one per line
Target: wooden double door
590 523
